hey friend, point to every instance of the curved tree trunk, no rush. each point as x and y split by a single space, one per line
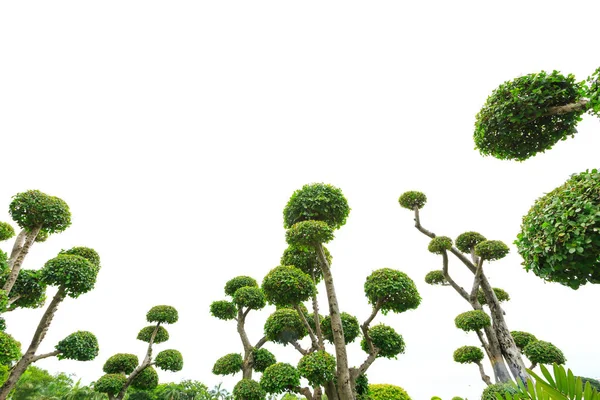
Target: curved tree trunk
18 255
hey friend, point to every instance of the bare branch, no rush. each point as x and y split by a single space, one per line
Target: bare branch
449 279
42 356
299 348
261 342
476 281
484 377
313 338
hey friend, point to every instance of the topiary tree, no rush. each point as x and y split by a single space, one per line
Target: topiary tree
472 249
531 113
74 272
123 370
474 355
311 216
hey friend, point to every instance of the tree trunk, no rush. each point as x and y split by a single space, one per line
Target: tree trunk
15 263
568 108
38 336
343 372
484 377
331 391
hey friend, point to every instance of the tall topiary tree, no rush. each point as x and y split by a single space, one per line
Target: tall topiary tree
124 370
472 250
311 216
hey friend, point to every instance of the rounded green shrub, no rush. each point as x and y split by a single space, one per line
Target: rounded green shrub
263 358
10 349
33 209
318 367
439 244
392 290
251 297
309 233
386 339
248 389
502 389
280 378
465 242
73 273
287 285
516 123
541 352
146 334
472 320
593 92
121 363
384 391
306 259
468 354
457 398
435 277
6 231
89 254
412 199
350 326
3 262
522 339
491 250
229 364
110 384
169 360
29 289
317 202
284 326
560 239
147 379
223 309
501 295
42 236
80 346
162 314
234 284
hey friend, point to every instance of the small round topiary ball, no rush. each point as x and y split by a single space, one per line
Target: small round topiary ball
169 360
392 290
284 326
248 389
522 339
280 378
502 389
6 231
491 250
350 327
147 379
75 274
317 202
439 244
145 335
162 314
239 282
34 209
223 309
251 297
287 285
110 384
306 259
541 352
121 363
465 242
472 320
309 233
411 200
80 346
468 354
229 364
89 254
262 358
435 277
386 339
318 367
384 391
501 295
10 349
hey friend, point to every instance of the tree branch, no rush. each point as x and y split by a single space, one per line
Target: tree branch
476 281
311 333
42 356
316 317
568 108
261 342
299 348
484 377
458 289
305 391
15 263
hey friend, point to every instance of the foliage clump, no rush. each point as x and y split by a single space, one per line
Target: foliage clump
472 320
75 274
392 290
284 326
29 289
522 339
223 309
251 297
502 389
146 334
306 259
318 202
34 209
162 314
501 294
234 284
89 254
309 233
350 327
169 360
387 392
280 378
147 379
560 238
468 354
540 352
465 242
593 93
318 367
110 384
248 389
80 346
412 199
386 339
287 285
435 277
439 244
491 250
229 364
10 349
263 358
121 363
6 231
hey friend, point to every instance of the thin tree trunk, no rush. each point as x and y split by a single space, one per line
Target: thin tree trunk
248 356
331 391
317 318
343 372
484 377
16 263
568 108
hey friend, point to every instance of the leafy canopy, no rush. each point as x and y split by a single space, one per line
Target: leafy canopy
318 202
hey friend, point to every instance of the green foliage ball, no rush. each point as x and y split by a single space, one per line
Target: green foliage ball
491 250
6 231
472 320
502 389
435 277
384 391
501 295
239 282
560 235
362 387
146 334
412 199
223 309
229 364
541 352
515 124
522 339
29 289
318 367
457 398
287 285
465 242
110 384
280 378
248 389
169 360
306 259
89 254
393 290
317 202
3 300
468 354
80 346
309 233
147 379
593 93
386 339
121 363
439 244
42 236
284 326
74 273
33 209
10 349
162 314
3 262
350 326
263 359
251 297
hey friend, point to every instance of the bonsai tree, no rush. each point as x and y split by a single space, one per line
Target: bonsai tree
531 113
74 272
124 370
474 355
311 216
472 250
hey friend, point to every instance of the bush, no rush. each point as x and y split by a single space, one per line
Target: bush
34 209
467 241
318 202
229 364
248 389
502 389
318 367
223 309
472 320
162 314
501 295
169 360
263 358
110 384
412 199
147 379
73 273
279 378
306 259
80 346
393 290
284 326
309 233
387 392
522 339
386 339
251 297
439 244
491 250
287 286
146 334
239 282
541 352
121 363
350 327
468 354
435 277
10 349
